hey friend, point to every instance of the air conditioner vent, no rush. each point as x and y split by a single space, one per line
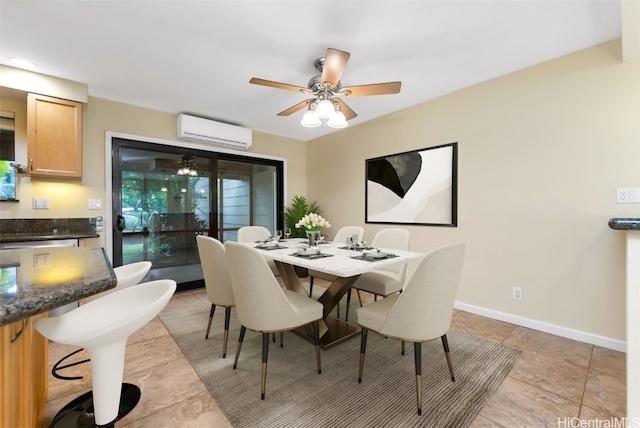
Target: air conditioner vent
209 131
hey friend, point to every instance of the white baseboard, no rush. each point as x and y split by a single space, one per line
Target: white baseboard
581 336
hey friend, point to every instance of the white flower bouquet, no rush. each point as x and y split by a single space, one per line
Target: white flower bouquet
312 222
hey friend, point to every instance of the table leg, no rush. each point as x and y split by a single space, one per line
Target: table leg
332 330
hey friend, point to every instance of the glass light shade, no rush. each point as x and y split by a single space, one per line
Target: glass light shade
193 172
325 109
310 119
337 120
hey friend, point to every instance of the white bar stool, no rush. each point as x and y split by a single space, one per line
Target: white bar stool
127 276
103 327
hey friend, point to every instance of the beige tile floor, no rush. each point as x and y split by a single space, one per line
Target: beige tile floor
555 381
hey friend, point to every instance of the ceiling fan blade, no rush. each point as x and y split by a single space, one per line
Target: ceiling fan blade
296 107
346 110
373 89
334 63
272 84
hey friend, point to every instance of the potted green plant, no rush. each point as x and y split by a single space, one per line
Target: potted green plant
294 213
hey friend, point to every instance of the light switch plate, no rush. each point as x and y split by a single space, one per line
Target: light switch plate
41 203
95 204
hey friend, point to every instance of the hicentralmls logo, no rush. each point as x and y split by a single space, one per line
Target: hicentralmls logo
598 423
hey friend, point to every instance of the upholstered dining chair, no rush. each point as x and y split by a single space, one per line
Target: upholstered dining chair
127 276
389 279
422 312
257 233
216 282
341 238
263 306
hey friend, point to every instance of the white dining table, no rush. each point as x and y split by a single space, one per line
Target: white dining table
336 261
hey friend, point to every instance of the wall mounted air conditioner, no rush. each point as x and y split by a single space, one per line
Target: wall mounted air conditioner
209 131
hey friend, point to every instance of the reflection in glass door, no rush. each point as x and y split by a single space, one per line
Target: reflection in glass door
167 198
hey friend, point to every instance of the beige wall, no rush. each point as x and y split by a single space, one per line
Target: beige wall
70 198
541 152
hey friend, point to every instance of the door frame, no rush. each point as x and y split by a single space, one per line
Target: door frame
108 145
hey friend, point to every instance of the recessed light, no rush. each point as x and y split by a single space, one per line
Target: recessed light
22 62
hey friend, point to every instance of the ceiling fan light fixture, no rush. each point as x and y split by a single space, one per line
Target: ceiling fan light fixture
310 118
337 120
325 109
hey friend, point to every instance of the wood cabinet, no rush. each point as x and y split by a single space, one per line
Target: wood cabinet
23 373
54 136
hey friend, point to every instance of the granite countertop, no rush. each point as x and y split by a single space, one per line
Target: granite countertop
30 237
36 280
625 223
45 229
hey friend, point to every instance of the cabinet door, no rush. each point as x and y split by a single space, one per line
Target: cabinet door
54 135
23 374
11 369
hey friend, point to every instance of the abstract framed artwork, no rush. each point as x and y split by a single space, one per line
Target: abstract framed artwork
419 187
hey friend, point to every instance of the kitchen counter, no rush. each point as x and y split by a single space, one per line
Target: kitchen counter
625 223
36 280
33 237
26 230
631 228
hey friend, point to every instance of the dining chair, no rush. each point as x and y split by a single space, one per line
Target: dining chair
422 312
388 279
341 238
127 276
216 282
262 305
257 233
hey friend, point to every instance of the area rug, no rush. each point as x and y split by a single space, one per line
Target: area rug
297 396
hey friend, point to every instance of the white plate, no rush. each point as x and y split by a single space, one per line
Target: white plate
308 251
374 254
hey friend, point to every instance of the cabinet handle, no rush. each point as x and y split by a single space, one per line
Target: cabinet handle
24 326
31 163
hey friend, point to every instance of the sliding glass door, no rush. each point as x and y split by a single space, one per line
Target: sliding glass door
165 196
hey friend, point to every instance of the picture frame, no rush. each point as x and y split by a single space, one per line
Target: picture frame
418 187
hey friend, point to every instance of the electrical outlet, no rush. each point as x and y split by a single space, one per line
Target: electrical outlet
517 293
41 203
628 195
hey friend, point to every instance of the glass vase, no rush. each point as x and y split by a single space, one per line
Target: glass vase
312 235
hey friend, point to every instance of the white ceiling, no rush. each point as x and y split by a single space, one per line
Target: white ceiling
197 57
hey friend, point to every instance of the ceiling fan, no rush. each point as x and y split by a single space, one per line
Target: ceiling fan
327 89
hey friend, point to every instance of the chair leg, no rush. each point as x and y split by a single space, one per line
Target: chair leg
282 339
363 347
316 338
227 317
311 286
445 344
243 330
273 337
338 309
346 316
265 355
403 343
213 309
359 298
417 350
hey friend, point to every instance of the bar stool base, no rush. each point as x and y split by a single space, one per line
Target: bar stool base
79 412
